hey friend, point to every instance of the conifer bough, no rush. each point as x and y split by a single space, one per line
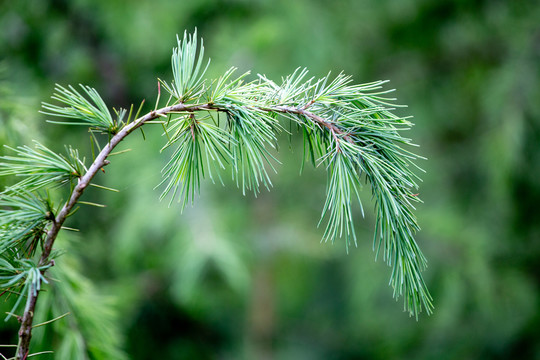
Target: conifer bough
224 124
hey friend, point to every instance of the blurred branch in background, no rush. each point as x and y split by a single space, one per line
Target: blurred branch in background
15 110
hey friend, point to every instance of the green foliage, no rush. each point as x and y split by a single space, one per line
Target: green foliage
42 167
21 277
252 131
188 83
343 176
199 143
23 218
92 113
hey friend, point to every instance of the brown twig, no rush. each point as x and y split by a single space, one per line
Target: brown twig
334 130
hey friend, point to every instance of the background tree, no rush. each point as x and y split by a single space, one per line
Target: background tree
466 70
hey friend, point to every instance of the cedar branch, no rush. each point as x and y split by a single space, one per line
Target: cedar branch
25 330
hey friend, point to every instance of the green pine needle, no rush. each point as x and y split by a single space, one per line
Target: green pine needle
187 69
199 143
92 113
22 276
41 167
23 218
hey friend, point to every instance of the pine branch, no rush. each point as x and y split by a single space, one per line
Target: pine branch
350 129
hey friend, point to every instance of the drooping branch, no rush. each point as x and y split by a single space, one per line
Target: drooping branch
25 331
349 128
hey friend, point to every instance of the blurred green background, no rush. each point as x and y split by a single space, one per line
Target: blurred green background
238 277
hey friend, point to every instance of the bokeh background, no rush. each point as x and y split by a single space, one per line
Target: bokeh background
245 277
